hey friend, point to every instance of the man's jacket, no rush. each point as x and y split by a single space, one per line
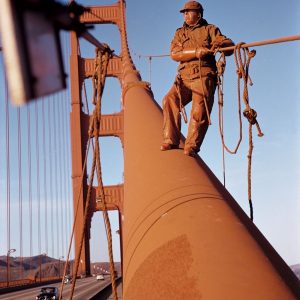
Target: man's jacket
202 35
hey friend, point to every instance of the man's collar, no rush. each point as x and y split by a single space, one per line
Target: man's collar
200 23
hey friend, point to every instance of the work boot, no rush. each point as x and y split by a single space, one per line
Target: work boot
165 147
190 152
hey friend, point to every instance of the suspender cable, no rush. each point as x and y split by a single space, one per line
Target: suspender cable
64 179
86 210
45 176
60 179
20 193
29 180
65 172
149 57
37 154
75 219
58 246
51 178
7 130
67 161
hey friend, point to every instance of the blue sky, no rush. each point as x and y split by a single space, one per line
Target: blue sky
275 96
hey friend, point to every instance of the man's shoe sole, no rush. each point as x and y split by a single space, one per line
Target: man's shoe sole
166 147
190 152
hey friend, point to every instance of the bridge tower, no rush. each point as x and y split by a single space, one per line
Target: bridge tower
111 125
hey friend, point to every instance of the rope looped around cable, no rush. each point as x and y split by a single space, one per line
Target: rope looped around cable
242 57
100 71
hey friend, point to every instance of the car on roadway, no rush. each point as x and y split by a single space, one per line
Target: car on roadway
100 277
48 293
67 279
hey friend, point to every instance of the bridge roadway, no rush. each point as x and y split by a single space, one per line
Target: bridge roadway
85 289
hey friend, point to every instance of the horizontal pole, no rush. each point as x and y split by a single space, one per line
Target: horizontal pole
90 38
247 45
266 42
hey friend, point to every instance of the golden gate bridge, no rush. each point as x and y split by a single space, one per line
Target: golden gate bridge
163 216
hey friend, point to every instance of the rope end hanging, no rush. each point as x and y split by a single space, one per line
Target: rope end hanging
251 116
260 133
251 209
182 108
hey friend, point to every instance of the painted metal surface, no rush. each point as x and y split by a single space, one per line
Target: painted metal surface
111 125
184 236
78 146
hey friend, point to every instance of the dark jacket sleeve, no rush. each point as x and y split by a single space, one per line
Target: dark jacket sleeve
218 40
178 52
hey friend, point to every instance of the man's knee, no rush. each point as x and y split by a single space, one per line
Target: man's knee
198 114
165 102
169 102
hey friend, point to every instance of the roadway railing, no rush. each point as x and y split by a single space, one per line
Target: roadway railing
16 285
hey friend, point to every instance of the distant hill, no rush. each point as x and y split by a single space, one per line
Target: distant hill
103 268
30 267
296 270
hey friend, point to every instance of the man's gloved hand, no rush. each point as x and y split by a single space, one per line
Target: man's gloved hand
220 42
217 43
201 52
188 54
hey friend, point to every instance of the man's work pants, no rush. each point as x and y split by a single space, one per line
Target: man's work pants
201 92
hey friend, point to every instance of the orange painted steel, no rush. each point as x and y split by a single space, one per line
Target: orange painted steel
183 235
111 125
290 38
78 148
113 70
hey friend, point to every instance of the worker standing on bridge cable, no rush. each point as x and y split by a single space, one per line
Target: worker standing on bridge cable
193 46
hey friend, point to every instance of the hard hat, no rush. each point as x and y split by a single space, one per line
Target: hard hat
192 5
